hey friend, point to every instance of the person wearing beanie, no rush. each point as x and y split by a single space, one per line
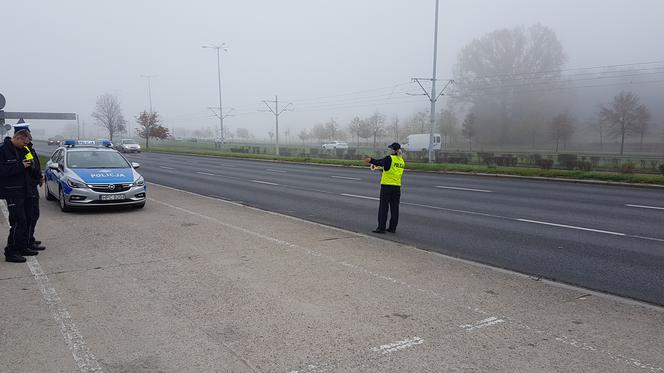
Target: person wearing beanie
393 166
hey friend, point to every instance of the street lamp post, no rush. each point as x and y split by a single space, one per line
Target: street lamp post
148 77
221 112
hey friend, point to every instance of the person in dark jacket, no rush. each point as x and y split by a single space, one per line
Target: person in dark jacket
14 175
35 181
390 188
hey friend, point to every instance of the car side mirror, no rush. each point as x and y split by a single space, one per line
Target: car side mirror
135 165
54 166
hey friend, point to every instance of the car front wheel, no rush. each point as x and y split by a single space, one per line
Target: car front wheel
63 202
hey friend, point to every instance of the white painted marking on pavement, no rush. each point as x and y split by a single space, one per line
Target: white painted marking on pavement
273 170
356 196
464 189
205 173
263 182
84 358
345 177
481 324
167 168
646 207
399 345
572 227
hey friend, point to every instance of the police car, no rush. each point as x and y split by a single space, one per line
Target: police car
83 173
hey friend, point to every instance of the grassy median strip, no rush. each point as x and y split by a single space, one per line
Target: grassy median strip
438 167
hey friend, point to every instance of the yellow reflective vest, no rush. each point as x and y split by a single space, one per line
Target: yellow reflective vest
393 175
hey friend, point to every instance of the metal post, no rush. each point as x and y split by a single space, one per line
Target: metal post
78 127
221 111
276 109
433 86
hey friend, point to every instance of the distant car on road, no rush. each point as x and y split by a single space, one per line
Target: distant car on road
88 175
57 140
128 146
335 145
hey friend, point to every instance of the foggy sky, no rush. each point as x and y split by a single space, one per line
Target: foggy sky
60 56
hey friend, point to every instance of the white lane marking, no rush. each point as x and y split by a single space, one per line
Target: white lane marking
646 207
84 358
363 197
273 170
205 173
482 324
572 227
263 182
167 168
345 177
399 345
464 189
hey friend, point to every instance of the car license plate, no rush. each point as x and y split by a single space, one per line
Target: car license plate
112 197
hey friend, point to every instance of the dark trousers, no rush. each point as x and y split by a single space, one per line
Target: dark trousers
32 214
18 225
390 195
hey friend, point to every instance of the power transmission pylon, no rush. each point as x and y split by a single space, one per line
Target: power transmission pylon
276 113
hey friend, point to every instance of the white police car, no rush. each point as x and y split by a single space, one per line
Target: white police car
81 173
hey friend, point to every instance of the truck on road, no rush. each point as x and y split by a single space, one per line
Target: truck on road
420 142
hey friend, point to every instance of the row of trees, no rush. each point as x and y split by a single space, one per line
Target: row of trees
108 115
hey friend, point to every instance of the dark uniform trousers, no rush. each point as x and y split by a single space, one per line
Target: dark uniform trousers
32 214
19 227
389 201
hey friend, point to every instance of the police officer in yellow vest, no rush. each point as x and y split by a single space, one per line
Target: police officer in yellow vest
390 188
35 180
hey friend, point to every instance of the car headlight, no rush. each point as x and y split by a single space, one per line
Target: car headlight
140 181
75 183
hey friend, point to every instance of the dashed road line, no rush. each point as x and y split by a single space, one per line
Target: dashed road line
399 345
363 197
463 189
572 227
482 324
274 170
263 182
205 173
167 168
645 207
345 177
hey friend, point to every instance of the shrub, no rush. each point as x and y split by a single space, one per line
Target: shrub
661 168
546 164
628 168
567 161
584 165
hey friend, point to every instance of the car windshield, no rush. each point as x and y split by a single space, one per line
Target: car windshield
96 159
128 142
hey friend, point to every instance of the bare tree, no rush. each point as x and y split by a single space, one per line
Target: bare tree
624 117
355 128
469 131
331 129
271 134
393 128
447 124
303 135
242 133
418 123
108 115
493 75
149 126
561 129
599 125
376 126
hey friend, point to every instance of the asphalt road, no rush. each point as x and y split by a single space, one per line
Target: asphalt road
606 238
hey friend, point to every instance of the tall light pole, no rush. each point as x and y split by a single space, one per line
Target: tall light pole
148 77
432 97
221 111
